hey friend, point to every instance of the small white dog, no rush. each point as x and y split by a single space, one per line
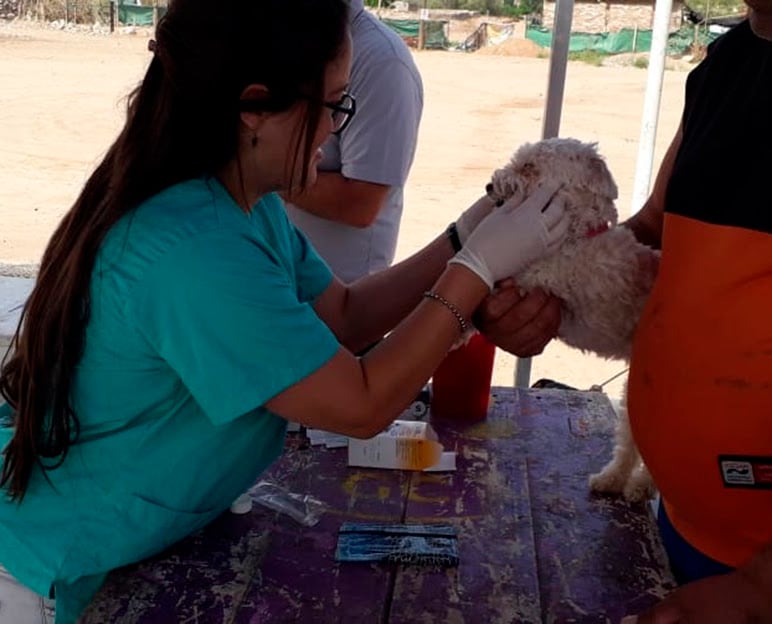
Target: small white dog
602 274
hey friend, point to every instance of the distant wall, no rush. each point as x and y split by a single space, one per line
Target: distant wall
600 17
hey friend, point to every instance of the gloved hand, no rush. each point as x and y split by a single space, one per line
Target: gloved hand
514 235
472 216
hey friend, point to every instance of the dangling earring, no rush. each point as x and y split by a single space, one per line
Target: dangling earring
254 140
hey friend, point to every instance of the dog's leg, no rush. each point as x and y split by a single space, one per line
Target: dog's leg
640 486
615 475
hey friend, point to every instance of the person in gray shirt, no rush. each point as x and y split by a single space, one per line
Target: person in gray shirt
352 213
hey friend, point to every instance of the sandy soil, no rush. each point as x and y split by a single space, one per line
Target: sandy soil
63 97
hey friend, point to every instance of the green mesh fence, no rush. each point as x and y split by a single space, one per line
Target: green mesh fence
136 15
434 32
682 40
626 40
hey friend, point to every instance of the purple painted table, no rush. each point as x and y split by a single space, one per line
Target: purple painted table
535 545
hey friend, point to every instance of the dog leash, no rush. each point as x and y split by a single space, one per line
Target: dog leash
599 387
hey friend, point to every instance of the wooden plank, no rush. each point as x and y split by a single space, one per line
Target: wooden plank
535 545
201 579
598 558
487 498
264 566
299 580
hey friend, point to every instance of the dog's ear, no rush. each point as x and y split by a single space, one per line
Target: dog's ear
600 179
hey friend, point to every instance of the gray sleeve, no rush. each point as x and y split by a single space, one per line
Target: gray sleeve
379 144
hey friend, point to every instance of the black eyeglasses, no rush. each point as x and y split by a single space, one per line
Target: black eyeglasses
342 110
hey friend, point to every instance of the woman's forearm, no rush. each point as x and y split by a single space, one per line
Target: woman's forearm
376 303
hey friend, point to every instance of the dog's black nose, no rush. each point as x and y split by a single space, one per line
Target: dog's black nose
489 192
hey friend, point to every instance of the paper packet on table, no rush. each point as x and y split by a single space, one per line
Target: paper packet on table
403 445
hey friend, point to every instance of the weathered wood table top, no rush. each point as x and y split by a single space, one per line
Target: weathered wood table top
535 545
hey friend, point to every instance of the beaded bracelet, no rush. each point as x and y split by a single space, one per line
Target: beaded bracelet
450 306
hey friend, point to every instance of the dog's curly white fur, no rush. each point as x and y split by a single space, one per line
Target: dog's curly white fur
596 273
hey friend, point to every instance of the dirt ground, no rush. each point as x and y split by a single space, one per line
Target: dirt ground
62 103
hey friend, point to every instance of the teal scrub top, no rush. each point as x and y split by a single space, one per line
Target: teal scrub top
199 314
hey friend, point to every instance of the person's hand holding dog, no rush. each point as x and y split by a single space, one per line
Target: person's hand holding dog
522 324
513 235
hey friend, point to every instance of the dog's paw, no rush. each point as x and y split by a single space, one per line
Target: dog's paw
610 480
638 492
640 486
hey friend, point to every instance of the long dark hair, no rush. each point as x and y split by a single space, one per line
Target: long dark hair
182 122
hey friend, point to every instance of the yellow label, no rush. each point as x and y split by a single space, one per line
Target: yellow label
413 454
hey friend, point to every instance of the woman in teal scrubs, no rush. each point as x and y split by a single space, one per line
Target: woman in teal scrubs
179 321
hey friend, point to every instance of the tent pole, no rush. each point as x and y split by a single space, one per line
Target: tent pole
553 107
651 103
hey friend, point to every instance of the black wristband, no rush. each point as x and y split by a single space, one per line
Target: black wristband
455 241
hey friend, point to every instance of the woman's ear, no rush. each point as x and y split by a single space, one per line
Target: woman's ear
252 116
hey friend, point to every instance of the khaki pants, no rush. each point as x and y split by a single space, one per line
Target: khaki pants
19 605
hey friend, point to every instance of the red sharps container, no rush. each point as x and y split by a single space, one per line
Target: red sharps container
461 385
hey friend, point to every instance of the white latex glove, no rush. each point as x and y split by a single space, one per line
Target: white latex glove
514 235
471 217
